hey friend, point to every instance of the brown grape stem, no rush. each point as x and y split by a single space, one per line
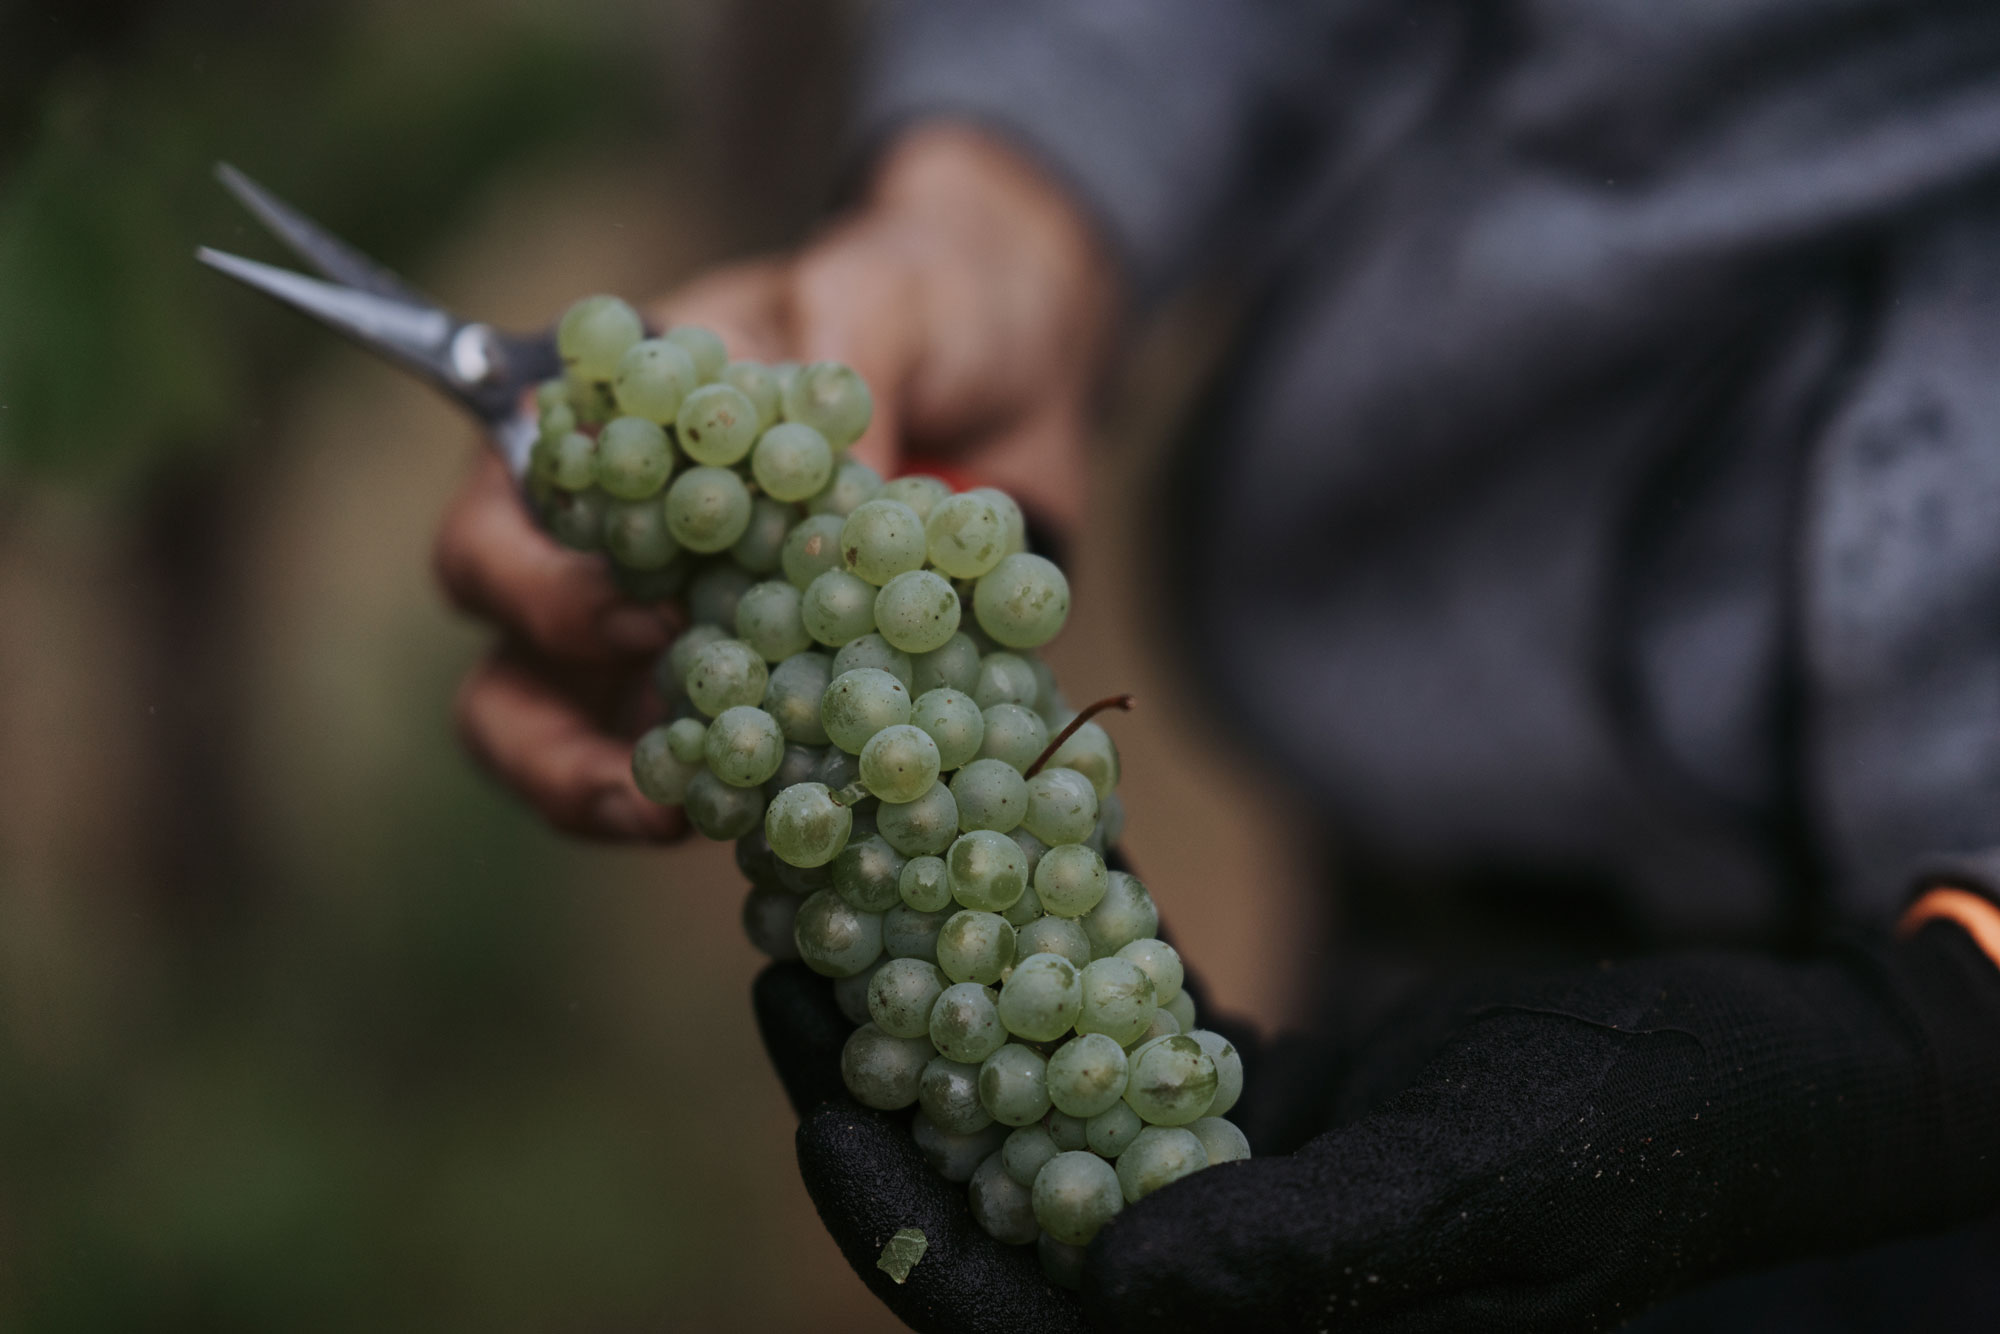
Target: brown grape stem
1123 703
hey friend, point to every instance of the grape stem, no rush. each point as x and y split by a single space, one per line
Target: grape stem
853 792
1122 703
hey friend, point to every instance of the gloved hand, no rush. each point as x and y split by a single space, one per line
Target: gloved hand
1578 1146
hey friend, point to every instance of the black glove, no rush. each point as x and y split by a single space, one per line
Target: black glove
1578 1146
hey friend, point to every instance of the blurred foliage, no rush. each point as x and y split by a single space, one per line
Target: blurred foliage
117 352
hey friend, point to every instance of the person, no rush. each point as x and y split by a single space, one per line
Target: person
1595 519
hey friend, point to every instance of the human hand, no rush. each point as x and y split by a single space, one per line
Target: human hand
1576 1147
970 296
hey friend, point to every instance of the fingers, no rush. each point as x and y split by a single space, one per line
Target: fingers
535 737
803 1032
857 300
494 563
867 1180
746 305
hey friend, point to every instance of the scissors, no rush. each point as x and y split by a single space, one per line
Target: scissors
482 369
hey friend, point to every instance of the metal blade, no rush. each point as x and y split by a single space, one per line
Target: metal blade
314 244
413 334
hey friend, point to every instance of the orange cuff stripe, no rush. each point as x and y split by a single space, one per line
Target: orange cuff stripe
1979 916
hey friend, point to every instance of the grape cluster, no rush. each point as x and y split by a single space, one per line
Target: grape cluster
921 815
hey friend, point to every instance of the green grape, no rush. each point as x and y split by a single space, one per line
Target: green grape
594 333
652 378
975 947
660 775
1087 1074
1069 1132
758 383
948 1092
834 939
1117 1000
882 1070
1075 1196
1125 914
839 608
921 493
1090 752
866 872
832 399
1048 700
1025 909
1016 736
1062 1264
1181 1008
755 859
725 674
1172 1081
1164 1025
1158 1156
556 420
881 539
636 536
860 703
918 611
590 398
794 767
901 996
1022 602
573 461
899 763
954 1157
953 667
1013 1085
791 462
1002 1208
549 393
838 769
921 828
965 1024
1034 850
811 549
1112 1131
966 535
910 934
767 619
1070 881
988 873
872 651
719 811
953 722
576 519
670 673
991 794
925 884
1159 961
634 459
684 739
744 746
763 541
1228 1067
714 592
703 348
769 912
650 585
786 371
1028 1150
1054 935
1005 678
708 509
716 425
851 484
1040 999
793 693
1062 806
806 827
1010 513
1220 1140
850 994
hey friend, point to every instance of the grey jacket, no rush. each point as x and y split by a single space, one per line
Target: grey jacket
1608 490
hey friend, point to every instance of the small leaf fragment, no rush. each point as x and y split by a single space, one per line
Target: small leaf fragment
902 1252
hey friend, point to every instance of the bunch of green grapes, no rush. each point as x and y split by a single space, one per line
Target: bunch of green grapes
859 706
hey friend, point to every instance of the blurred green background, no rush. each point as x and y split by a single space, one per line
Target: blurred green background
302 1024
